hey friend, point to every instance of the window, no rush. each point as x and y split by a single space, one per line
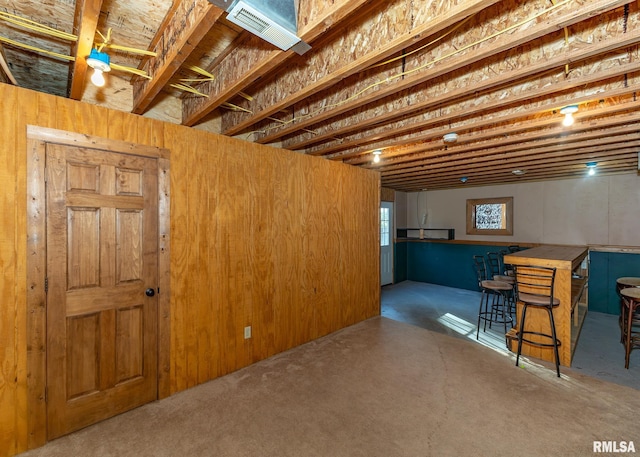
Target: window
490 216
385 226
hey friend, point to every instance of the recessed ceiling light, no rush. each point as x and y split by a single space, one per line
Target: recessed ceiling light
518 172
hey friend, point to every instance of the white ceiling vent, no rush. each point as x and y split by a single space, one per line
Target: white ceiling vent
274 21
256 22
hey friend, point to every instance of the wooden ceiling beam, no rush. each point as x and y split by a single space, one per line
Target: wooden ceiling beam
513 121
536 130
538 142
516 140
499 180
523 161
438 97
505 174
513 160
538 100
343 100
85 21
504 153
618 162
551 175
246 64
190 22
451 182
502 175
527 143
5 72
340 58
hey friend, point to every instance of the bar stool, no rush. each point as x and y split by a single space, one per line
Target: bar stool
508 269
534 288
627 281
495 291
631 304
497 272
623 283
496 268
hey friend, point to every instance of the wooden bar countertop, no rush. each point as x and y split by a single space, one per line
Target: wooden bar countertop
570 289
564 257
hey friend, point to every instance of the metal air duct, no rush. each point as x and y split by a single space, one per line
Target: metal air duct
274 21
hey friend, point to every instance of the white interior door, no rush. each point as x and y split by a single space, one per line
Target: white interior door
386 247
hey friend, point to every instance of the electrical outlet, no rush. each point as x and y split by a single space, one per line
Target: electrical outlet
247 332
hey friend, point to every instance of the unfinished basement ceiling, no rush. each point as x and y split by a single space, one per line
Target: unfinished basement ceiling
394 75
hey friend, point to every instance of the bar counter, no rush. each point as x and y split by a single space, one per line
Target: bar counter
570 288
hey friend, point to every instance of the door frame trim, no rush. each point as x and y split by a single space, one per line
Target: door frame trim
37 139
392 231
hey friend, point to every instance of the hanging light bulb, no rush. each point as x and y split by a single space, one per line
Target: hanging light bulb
376 156
568 120
568 114
97 78
591 166
99 61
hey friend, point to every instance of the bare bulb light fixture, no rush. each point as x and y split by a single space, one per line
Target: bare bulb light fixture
591 166
99 61
568 114
376 155
450 137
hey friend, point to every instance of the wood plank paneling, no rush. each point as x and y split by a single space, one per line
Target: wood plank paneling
200 341
34 343
194 294
164 264
120 125
387 194
8 261
210 164
265 228
260 237
179 243
30 395
288 199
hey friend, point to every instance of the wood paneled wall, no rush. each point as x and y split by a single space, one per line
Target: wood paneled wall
387 194
285 243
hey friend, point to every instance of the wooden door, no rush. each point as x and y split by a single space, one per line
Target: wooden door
102 257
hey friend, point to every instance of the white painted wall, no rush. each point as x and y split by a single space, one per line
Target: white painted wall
400 211
587 211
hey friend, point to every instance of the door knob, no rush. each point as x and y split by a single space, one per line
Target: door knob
150 292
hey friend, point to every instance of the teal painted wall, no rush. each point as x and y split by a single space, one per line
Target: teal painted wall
399 262
438 263
450 264
604 269
445 264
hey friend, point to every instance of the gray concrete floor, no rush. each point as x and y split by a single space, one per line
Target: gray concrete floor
599 352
